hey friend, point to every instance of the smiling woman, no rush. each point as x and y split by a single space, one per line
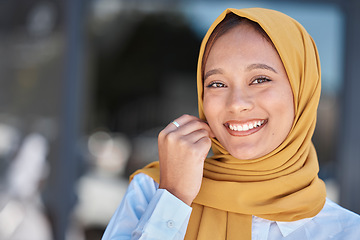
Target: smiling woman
248 101
258 90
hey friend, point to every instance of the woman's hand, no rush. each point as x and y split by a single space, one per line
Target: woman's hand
182 152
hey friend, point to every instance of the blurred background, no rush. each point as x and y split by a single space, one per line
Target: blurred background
86 86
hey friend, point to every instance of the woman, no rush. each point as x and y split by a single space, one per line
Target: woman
258 90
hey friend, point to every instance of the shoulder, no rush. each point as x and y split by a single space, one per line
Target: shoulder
346 217
342 222
333 209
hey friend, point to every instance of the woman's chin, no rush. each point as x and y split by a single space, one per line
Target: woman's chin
245 154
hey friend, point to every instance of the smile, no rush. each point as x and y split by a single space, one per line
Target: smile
247 128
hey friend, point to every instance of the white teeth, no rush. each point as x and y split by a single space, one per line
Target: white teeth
245 127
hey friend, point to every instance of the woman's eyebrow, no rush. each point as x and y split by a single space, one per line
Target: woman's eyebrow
212 72
260 66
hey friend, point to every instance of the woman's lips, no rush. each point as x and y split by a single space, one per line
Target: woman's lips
237 128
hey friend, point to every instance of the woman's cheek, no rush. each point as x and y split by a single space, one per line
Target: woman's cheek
211 105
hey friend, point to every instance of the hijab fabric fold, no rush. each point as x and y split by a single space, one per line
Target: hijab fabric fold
282 185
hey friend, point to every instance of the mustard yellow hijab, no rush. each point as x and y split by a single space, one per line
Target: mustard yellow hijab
282 185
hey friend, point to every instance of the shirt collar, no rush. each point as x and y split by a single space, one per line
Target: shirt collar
287 228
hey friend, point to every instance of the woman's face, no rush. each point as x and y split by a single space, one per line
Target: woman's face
248 101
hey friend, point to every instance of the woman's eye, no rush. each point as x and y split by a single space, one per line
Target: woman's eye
260 80
216 85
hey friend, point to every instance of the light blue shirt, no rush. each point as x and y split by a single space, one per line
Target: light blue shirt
147 212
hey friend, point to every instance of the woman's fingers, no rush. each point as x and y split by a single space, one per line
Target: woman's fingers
187 124
183 147
179 123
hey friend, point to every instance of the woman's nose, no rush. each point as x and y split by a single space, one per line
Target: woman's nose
240 100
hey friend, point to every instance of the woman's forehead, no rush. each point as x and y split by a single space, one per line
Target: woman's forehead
245 45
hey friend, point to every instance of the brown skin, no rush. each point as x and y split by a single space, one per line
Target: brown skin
246 82
233 94
182 152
